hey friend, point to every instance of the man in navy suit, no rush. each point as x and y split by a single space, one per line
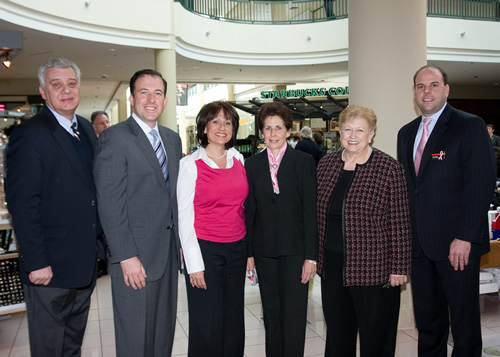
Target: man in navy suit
52 199
451 179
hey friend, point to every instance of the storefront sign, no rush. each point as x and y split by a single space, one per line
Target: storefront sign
308 92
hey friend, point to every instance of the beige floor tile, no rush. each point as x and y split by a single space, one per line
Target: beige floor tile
99 340
314 346
255 336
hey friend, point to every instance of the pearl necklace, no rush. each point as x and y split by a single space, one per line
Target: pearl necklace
218 157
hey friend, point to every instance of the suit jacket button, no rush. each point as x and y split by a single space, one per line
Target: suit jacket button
92 203
93 226
273 200
416 192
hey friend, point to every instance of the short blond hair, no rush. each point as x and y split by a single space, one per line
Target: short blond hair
357 110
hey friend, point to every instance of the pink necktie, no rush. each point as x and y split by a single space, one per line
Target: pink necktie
421 144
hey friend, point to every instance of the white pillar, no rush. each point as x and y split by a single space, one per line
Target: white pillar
165 64
122 107
387 44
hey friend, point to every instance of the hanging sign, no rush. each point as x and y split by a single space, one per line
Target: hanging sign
308 92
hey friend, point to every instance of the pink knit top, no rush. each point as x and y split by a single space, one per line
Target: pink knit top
218 202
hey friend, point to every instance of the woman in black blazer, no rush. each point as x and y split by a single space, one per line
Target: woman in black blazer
280 214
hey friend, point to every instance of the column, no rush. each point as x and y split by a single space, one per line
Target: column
387 44
123 108
165 64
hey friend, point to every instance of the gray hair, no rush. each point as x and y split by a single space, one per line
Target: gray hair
57 63
306 132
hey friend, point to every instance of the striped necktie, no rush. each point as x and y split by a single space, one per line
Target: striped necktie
76 133
160 153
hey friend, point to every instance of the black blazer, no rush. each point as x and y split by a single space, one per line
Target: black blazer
52 200
284 224
451 195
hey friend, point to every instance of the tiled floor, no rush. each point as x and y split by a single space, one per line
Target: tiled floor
99 337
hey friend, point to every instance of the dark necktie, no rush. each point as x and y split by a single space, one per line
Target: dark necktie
76 133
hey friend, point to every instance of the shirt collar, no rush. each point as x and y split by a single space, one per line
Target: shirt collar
436 115
145 128
63 121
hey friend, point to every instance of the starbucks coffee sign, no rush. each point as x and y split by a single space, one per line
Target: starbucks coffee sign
308 92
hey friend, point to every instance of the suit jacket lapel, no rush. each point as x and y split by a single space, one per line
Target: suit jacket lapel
409 145
435 137
286 166
266 174
172 154
63 138
145 147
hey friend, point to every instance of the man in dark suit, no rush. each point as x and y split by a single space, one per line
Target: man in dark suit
451 178
51 197
495 139
307 144
100 121
136 168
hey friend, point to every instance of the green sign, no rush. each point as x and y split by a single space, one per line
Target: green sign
308 92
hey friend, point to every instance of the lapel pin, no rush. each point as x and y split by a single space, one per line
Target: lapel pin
439 155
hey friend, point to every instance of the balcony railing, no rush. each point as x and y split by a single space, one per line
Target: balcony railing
465 9
306 11
268 12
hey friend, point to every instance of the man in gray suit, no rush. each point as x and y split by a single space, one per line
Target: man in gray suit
135 174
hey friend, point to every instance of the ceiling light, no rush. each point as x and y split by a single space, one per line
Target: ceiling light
6 61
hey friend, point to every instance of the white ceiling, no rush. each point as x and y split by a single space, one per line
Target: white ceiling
106 69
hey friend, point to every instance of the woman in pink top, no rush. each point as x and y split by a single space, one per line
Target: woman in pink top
211 190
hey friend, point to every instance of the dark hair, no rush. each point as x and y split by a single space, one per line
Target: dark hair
436 68
208 112
147 72
96 113
278 109
318 137
491 126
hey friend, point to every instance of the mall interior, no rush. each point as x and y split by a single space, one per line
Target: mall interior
249 53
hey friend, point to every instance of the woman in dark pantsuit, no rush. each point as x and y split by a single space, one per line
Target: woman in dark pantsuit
280 216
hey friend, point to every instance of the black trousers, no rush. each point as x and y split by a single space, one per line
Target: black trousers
57 319
284 300
373 310
216 315
442 296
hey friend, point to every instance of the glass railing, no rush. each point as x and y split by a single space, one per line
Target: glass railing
306 11
268 12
